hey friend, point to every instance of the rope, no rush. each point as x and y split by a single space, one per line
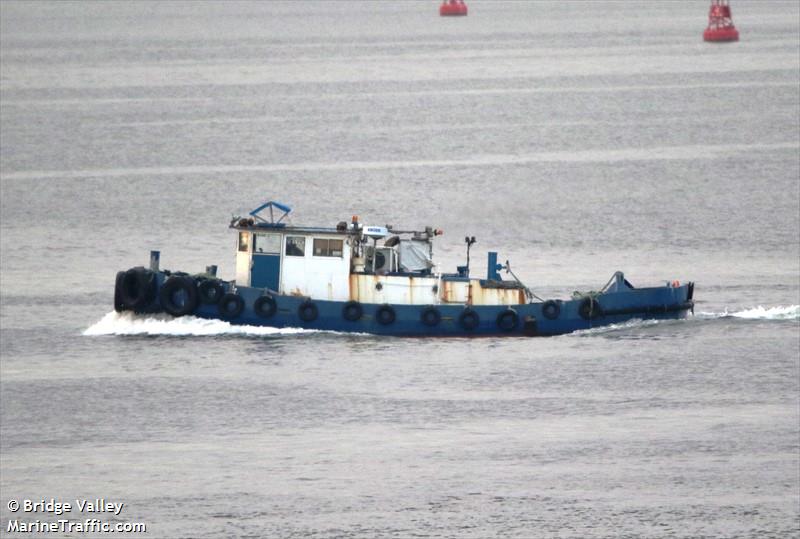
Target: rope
593 293
611 280
528 292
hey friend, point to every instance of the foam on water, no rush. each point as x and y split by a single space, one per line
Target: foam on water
630 324
115 323
791 312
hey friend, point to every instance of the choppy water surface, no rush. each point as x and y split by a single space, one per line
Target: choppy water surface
574 138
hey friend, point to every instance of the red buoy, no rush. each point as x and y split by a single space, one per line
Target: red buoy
720 25
451 8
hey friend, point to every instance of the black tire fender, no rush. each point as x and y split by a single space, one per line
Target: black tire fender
507 320
210 291
174 285
138 288
308 311
551 309
119 306
352 311
469 319
385 315
230 305
590 308
265 306
430 316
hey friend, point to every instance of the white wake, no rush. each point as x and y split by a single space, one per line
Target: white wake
791 312
128 323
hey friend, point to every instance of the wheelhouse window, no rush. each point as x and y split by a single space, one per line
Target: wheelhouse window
267 243
295 246
244 241
328 247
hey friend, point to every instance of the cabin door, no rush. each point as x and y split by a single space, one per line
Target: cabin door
265 269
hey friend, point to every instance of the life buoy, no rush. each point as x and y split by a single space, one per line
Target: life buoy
307 311
469 319
430 316
551 309
265 306
589 309
137 288
352 311
507 320
210 291
385 315
178 296
119 306
231 305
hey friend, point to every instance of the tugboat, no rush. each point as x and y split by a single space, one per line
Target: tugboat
377 279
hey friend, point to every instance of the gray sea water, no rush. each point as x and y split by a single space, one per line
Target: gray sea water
575 138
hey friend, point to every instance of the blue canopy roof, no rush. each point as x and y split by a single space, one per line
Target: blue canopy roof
270 204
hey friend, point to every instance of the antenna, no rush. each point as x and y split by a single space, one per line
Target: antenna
469 241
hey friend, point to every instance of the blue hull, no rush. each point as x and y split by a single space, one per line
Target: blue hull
531 319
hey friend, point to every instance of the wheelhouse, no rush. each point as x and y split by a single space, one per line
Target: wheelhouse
293 261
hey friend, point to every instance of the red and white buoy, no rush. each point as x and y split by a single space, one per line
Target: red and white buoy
451 8
720 25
